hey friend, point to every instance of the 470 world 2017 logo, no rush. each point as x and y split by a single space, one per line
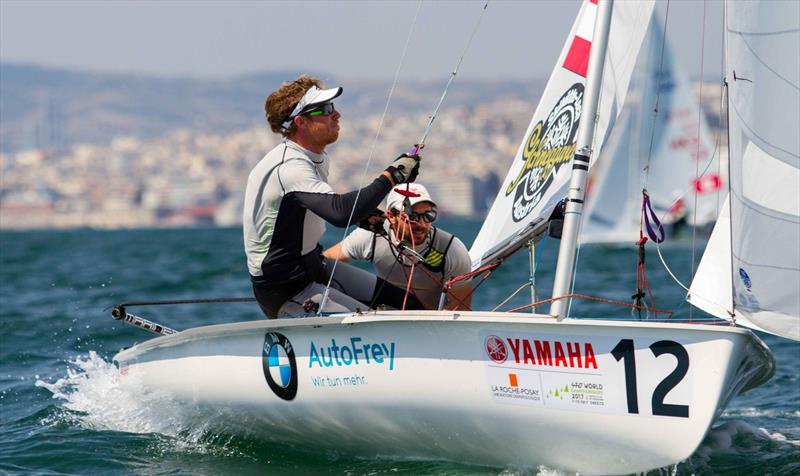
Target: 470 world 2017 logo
550 145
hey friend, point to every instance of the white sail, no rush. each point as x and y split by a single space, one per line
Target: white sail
681 151
539 174
763 71
711 289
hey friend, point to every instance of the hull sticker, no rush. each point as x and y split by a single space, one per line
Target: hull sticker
349 362
280 365
589 374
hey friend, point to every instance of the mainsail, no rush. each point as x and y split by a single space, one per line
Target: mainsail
672 145
539 175
754 254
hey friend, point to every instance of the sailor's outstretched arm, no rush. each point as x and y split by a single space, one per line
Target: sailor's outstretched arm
336 208
335 253
356 246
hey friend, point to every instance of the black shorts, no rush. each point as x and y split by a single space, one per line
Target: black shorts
271 297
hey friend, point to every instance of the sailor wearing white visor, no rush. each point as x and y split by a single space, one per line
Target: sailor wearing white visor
288 200
311 99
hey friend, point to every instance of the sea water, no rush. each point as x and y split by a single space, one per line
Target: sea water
63 411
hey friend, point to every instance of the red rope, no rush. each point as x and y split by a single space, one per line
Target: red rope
446 286
593 298
465 276
413 262
408 276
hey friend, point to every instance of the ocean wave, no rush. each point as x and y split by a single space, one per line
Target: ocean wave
760 412
95 398
723 438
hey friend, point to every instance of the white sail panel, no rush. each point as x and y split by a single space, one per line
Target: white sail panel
680 164
763 71
539 174
711 287
757 163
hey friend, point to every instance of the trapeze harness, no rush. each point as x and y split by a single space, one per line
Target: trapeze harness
434 259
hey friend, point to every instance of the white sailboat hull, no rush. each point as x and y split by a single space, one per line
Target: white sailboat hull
486 388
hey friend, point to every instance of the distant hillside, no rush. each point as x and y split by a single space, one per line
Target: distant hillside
45 107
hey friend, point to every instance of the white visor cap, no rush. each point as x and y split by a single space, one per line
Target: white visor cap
395 200
312 97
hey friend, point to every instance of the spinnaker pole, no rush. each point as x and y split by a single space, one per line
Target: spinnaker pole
565 268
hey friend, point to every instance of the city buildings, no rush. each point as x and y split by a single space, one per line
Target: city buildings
186 178
194 179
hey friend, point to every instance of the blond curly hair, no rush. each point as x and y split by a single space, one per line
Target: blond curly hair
282 102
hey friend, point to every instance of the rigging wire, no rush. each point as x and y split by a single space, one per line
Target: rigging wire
715 154
726 45
372 149
697 160
531 281
646 170
452 77
642 283
415 149
641 276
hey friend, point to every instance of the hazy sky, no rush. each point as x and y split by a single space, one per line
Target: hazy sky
516 39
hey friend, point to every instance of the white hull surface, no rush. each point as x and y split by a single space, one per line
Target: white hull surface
498 389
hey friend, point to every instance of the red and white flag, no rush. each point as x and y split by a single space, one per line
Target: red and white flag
577 59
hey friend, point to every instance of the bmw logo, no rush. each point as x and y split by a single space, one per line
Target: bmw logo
280 367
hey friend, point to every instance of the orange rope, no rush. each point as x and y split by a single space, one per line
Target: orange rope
413 261
446 286
592 298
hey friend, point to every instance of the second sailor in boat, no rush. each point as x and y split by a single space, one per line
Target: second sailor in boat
408 237
288 200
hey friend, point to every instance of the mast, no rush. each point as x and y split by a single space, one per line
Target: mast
581 160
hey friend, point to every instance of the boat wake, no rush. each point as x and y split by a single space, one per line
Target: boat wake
736 435
739 447
95 398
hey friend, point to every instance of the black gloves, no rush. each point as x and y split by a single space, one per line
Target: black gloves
373 222
404 168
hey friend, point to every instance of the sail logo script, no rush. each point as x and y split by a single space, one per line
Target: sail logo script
353 353
546 353
550 145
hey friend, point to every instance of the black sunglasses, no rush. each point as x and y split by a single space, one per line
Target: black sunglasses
426 216
324 110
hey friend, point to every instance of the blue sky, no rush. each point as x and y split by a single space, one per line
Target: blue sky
348 39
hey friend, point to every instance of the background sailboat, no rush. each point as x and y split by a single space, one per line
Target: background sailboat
674 146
